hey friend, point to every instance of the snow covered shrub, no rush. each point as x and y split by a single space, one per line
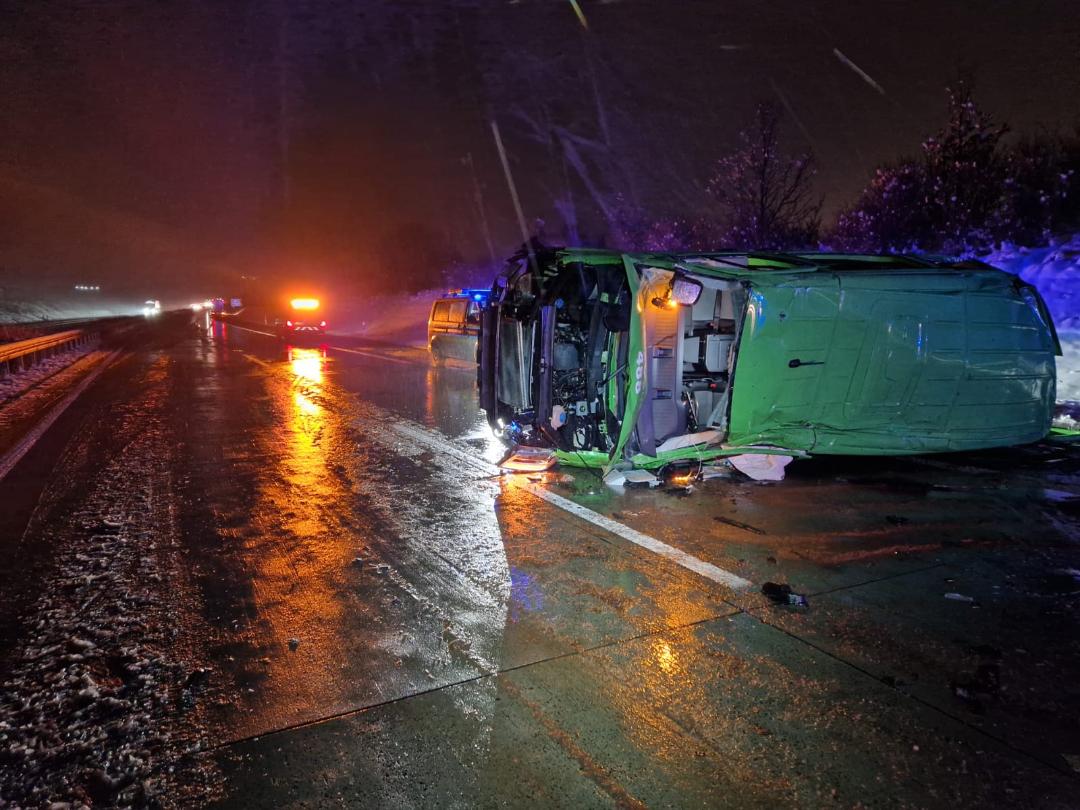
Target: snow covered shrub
946 200
1041 189
890 214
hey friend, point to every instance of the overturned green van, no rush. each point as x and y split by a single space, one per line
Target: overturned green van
617 359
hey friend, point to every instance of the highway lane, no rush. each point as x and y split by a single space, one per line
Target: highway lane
363 613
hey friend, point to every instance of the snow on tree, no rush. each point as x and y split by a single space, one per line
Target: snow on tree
765 195
964 174
1041 190
968 190
889 215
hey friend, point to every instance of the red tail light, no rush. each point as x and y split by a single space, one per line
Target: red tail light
323 324
288 324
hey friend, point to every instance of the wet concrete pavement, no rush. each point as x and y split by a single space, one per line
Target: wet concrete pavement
386 623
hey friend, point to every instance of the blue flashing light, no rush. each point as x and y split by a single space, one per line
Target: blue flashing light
474 294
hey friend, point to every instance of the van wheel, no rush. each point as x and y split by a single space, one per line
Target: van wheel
437 356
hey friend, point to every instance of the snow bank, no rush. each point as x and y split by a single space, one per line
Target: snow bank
26 309
15 385
1055 270
1068 386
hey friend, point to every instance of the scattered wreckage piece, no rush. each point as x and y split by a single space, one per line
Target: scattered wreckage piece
613 360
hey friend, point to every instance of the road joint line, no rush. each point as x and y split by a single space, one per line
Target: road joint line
921 701
480 676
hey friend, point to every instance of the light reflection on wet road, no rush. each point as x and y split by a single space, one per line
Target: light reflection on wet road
461 641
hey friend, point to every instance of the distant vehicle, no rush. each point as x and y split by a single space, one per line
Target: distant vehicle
454 324
644 359
303 318
152 308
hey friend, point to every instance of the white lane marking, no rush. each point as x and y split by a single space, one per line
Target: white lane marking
15 454
248 329
362 352
437 442
688 561
377 356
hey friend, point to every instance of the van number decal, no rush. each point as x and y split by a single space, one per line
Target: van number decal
639 372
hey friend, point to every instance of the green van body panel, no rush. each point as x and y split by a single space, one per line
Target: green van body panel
892 363
853 355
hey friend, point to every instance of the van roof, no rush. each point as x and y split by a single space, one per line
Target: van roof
744 263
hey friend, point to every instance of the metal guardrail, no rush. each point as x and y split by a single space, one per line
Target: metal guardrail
23 354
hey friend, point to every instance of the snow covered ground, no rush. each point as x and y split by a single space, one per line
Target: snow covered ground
13 385
1055 270
28 309
97 707
1069 368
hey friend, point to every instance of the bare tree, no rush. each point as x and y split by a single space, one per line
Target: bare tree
766 196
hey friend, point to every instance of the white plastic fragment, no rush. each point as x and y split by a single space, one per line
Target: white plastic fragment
690 440
619 478
615 478
641 477
959 597
761 466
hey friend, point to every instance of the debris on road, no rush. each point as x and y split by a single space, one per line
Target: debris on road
761 466
294 643
526 459
959 597
720 469
632 478
781 594
681 476
978 688
746 527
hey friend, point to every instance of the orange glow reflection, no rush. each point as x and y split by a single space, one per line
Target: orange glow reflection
307 364
300 547
665 657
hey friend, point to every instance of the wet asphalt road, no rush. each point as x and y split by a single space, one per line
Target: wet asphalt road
383 622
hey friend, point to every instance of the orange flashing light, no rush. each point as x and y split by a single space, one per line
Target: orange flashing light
305 303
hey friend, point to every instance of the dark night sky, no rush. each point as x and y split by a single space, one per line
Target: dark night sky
175 141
